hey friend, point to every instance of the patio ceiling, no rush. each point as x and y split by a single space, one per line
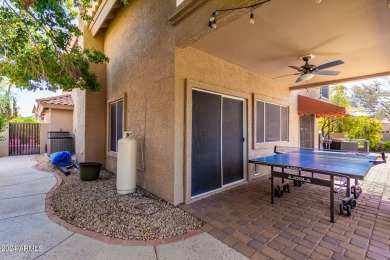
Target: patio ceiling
354 31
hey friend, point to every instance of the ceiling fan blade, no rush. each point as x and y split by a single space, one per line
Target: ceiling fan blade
330 64
327 72
299 79
287 75
297 68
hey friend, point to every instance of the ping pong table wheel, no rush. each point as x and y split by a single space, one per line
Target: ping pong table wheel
359 191
286 188
348 210
278 192
297 183
353 203
356 191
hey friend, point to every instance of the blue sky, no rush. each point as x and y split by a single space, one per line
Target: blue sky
26 99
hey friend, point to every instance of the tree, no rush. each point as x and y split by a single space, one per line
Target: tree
354 127
8 104
338 97
363 127
374 97
2 128
35 50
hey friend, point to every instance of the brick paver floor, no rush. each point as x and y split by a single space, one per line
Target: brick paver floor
297 226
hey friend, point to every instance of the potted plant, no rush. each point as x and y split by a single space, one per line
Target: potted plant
89 171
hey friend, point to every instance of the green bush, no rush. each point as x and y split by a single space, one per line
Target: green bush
384 147
362 127
2 127
24 120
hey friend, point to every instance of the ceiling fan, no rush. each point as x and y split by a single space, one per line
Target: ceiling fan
308 71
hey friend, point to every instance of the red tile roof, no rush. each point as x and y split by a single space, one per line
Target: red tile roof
65 99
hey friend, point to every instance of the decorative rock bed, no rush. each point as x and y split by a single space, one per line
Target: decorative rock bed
96 206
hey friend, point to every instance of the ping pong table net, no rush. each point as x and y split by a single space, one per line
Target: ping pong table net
331 153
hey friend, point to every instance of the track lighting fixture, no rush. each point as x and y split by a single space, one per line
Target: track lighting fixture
213 17
251 18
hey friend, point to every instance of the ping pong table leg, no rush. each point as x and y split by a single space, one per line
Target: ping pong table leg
272 185
332 198
348 187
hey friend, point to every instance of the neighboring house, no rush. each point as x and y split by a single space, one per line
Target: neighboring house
56 111
203 101
386 130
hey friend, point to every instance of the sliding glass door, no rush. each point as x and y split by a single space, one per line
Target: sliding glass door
218 141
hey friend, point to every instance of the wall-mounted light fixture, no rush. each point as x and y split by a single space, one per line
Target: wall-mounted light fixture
213 18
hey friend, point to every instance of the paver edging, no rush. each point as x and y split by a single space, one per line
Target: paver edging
106 239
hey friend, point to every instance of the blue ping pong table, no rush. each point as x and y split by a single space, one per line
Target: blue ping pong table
317 163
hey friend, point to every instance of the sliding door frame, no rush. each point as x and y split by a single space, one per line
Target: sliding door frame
200 86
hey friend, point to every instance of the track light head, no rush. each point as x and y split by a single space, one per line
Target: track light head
213 20
251 18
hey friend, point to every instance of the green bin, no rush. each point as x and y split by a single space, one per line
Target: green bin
90 171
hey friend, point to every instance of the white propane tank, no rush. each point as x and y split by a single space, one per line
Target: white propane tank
126 164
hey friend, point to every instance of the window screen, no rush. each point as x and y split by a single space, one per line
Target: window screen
325 91
260 122
284 124
116 125
271 122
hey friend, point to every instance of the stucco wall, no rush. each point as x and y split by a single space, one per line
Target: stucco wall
78 97
140 46
46 118
44 128
385 131
89 122
151 75
61 119
197 69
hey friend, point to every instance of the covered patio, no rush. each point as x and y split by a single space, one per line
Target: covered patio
297 226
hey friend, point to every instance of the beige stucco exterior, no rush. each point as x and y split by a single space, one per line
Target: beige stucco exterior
386 131
59 120
153 68
89 121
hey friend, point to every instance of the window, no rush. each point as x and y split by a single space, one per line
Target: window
271 122
325 92
116 124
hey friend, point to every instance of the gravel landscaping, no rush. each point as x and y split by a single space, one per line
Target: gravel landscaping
96 206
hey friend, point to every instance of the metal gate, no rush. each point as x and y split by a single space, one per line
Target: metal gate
24 138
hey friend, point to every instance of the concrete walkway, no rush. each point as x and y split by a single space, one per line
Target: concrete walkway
27 232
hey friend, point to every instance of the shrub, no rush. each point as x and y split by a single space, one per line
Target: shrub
384 146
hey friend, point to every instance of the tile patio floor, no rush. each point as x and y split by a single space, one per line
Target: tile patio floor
297 226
